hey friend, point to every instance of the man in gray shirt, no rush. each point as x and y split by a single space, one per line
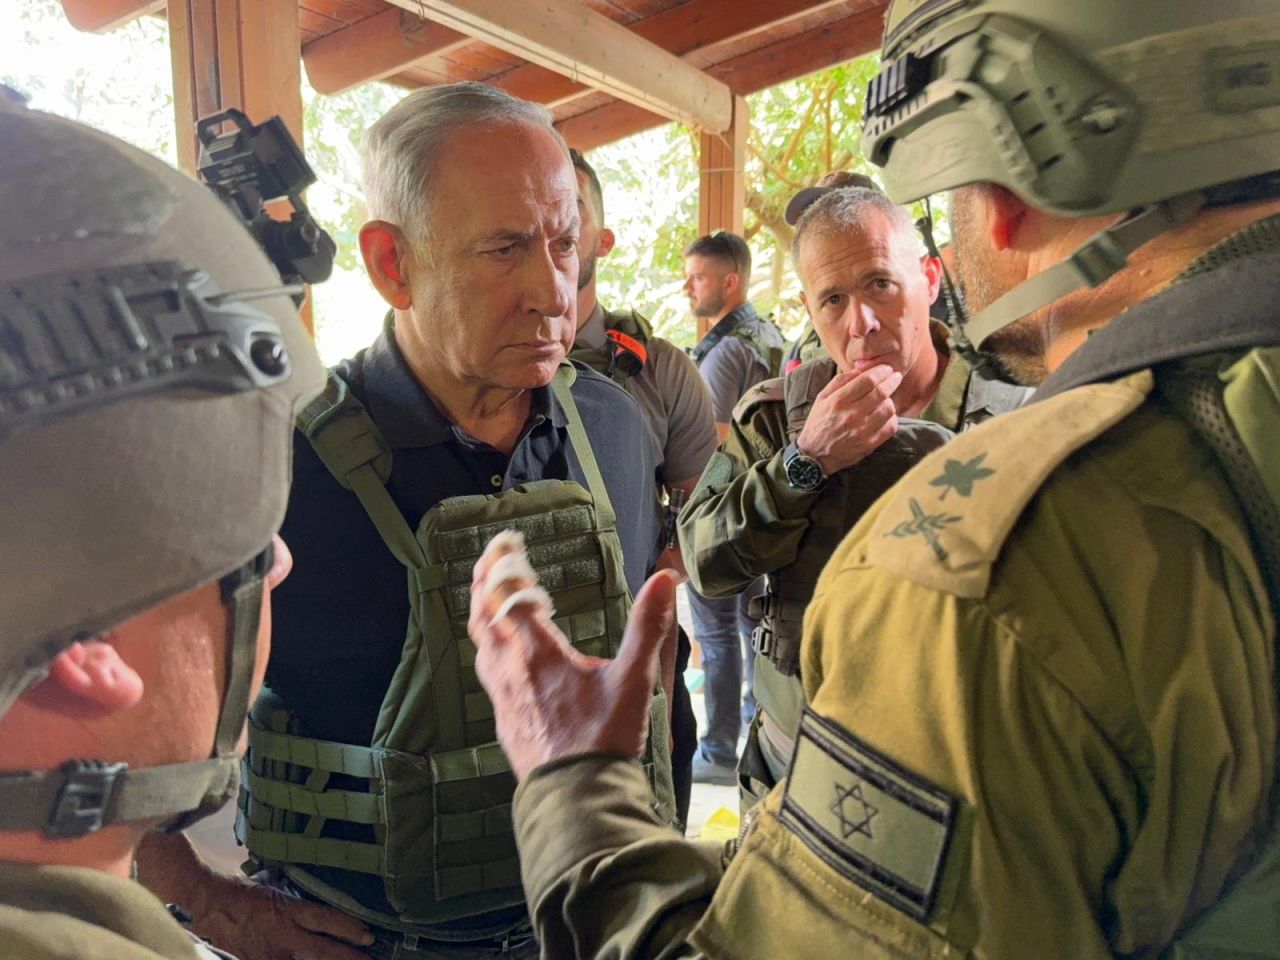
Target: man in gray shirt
677 413
740 350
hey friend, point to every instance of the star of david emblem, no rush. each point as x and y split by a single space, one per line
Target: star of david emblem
853 811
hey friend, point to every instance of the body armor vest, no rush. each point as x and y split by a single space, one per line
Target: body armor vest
625 349
432 792
845 497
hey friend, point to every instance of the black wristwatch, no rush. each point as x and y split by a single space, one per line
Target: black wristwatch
803 472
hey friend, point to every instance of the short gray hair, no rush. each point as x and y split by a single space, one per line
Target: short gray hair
847 209
400 150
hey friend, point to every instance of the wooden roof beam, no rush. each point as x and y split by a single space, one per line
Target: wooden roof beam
797 56
98 16
375 48
682 30
564 36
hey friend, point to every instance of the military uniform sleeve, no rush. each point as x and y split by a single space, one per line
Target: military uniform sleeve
744 519
691 427
602 878
1065 762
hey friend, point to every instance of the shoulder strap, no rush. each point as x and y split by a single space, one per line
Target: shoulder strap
560 385
726 326
766 391
1197 394
631 322
801 387
349 443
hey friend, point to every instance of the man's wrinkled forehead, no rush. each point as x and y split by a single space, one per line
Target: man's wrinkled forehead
843 253
509 176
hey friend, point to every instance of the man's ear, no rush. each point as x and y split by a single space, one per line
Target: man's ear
605 242
94 673
732 282
1005 213
933 275
804 301
386 259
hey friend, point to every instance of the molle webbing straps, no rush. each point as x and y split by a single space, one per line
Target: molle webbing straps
427 805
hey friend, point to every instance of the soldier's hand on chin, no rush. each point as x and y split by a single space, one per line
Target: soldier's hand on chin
851 417
549 700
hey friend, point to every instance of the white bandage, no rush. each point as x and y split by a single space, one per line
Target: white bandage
512 572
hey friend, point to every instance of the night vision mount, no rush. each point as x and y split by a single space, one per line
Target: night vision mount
252 165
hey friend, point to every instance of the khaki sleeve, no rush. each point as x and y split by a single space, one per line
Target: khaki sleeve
603 879
1102 715
935 685
744 520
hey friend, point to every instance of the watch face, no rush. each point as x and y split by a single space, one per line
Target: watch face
804 473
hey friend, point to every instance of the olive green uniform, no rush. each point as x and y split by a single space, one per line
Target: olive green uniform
1042 723
745 520
59 913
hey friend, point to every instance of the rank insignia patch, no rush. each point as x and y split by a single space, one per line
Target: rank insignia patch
876 823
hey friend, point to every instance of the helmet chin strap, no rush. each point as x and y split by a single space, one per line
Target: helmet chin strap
242 593
82 796
1105 254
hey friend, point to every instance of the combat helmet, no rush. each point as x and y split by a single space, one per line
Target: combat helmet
1152 110
151 364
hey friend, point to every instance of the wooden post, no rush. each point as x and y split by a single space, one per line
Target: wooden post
235 53
722 182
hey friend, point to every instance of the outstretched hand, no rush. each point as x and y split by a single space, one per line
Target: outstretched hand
550 701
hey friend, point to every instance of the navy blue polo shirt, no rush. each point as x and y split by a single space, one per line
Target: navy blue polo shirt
340 618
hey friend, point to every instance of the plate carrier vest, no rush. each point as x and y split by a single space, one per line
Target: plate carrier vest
845 497
437 788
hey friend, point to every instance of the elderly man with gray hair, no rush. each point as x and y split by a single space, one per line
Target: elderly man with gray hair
808 453
374 783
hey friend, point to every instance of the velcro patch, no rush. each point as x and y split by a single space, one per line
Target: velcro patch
879 825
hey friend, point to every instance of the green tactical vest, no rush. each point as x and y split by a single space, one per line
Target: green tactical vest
434 787
611 359
844 498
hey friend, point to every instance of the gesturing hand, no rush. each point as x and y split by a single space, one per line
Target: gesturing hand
850 418
549 700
